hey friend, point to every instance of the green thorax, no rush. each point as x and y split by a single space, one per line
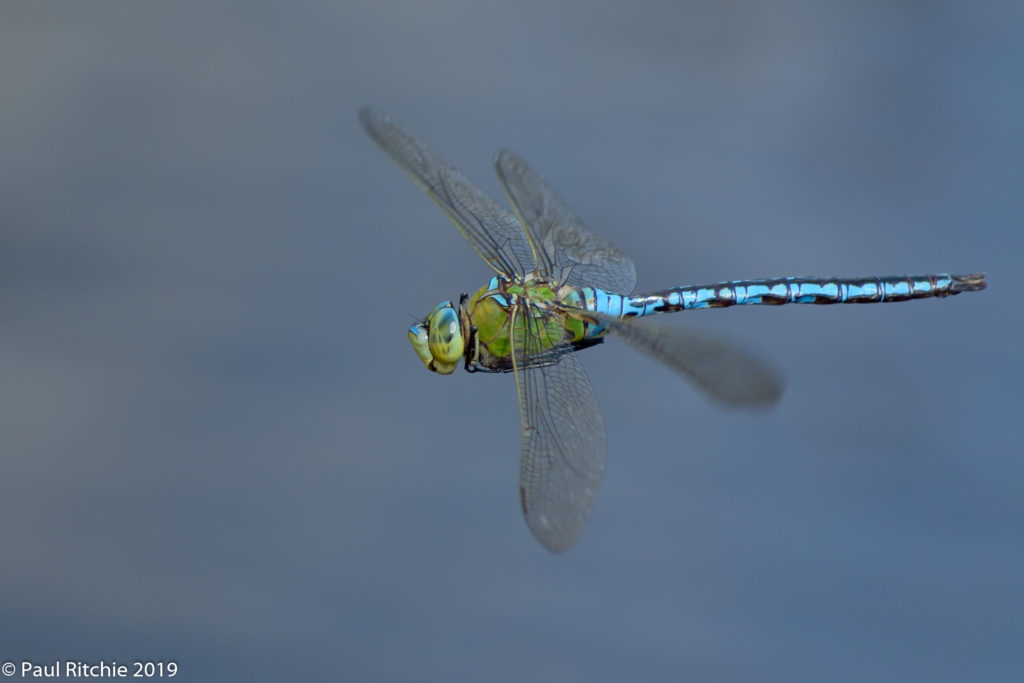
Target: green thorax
540 325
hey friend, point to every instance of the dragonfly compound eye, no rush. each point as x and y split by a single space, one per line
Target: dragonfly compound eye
418 339
445 338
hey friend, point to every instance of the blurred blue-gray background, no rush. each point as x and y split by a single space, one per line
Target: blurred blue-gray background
217 447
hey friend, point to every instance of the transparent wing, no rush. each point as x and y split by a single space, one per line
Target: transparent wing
563 443
562 237
726 372
493 232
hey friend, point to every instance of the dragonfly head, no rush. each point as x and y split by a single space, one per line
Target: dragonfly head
438 340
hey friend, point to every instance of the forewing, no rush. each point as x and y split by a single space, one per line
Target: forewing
563 237
493 232
726 372
563 442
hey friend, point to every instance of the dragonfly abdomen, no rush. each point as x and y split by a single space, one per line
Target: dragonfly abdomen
788 290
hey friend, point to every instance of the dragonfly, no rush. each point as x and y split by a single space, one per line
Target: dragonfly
559 288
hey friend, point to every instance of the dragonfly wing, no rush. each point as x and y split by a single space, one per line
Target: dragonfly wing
493 232
563 238
726 372
563 443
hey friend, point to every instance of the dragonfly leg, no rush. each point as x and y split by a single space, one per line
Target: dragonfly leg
469 334
472 350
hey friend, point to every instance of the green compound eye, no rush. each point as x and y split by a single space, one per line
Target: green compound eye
418 339
438 340
445 338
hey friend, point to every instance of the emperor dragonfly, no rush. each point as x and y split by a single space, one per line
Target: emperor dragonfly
560 288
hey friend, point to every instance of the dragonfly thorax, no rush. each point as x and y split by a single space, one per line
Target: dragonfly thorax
439 340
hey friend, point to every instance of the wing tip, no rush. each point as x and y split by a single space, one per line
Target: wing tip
366 112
